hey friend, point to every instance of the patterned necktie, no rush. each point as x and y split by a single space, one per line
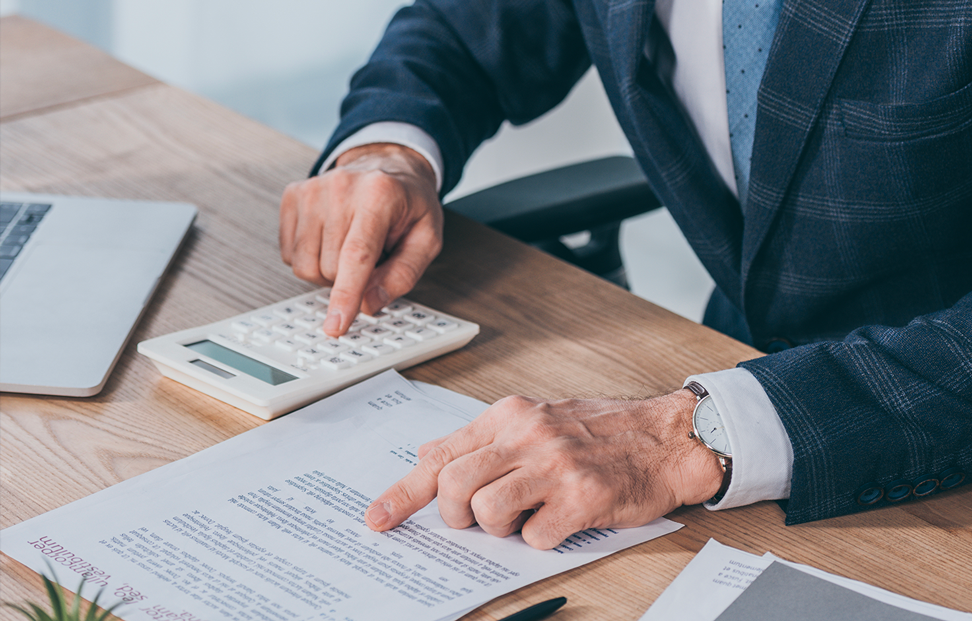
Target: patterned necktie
747 32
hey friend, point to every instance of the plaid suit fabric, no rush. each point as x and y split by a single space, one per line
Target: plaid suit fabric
857 241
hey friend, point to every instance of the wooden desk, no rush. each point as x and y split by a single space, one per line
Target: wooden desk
548 329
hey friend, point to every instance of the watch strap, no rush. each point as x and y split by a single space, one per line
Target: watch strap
726 479
700 393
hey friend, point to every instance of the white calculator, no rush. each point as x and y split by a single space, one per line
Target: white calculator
276 359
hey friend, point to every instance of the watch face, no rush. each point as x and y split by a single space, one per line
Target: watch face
709 427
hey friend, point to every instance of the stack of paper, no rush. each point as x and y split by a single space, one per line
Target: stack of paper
269 525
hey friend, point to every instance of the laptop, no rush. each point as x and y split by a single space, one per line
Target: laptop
76 274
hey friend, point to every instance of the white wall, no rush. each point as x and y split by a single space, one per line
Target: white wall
287 63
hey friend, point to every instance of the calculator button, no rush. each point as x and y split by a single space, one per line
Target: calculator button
357 324
285 328
308 321
244 326
266 319
354 339
378 349
399 341
309 354
287 312
421 334
376 318
41 209
265 335
398 308
332 347
398 326
309 338
334 363
377 332
418 317
442 325
9 252
323 296
309 305
288 345
355 356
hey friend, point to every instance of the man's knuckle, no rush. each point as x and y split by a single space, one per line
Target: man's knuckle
383 182
518 490
339 180
488 514
451 480
358 251
538 432
440 456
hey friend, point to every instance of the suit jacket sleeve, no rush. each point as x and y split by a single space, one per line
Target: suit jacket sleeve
459 68
886 406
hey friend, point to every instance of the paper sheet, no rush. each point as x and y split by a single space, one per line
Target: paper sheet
719 574
783 592
269 525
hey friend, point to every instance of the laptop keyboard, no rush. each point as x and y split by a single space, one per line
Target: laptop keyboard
17 222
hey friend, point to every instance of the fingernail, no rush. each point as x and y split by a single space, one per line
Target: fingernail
379 514
377 298
333 322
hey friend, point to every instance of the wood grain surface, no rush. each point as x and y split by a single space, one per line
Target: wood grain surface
548 329
41 68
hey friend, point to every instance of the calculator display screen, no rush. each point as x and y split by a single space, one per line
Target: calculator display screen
244 364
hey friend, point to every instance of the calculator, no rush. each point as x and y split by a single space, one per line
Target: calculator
276 359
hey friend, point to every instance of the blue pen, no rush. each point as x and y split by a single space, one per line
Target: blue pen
537 611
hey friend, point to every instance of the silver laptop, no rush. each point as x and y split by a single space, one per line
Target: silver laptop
75 276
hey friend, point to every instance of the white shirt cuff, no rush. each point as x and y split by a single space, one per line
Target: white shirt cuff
762 456
393 132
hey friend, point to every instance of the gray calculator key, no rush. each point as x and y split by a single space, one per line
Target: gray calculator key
8 211
4 266
30 219
23 229
9 252
38 208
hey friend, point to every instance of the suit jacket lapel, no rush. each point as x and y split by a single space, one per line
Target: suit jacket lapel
810 41
673 158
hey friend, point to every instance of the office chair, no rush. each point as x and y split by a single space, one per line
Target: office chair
591 196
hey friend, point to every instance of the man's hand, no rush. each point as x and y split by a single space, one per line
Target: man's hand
555 468
370 225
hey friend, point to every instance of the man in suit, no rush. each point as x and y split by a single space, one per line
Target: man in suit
833 208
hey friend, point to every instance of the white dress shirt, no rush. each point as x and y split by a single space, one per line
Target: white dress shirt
762 456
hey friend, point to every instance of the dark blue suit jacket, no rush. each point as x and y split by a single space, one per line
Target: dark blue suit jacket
856 246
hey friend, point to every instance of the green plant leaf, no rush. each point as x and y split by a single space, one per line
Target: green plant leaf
55 592
41 615
56 596
23 611
93 609
75 613
108 611
59 603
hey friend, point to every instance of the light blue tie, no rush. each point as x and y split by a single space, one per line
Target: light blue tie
747 32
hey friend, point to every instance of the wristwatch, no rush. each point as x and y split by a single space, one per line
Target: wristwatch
708 427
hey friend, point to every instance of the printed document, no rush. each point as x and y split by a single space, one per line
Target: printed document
269 525
718 574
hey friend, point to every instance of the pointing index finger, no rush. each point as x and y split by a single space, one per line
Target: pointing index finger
420 486
359 255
